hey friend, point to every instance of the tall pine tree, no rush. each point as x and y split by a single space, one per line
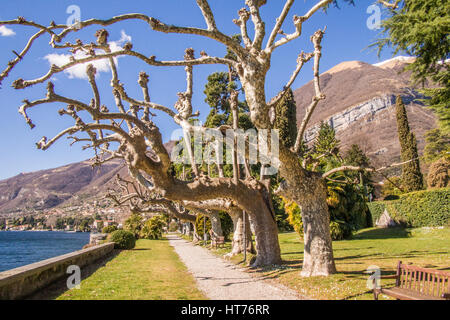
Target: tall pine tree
412 178
326 141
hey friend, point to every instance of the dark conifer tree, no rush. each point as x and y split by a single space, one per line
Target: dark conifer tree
286 119
412 178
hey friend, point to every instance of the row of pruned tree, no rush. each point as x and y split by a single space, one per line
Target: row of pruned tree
127 130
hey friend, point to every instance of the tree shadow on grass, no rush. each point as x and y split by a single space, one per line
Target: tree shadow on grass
381 256
382 233
352 249
57 288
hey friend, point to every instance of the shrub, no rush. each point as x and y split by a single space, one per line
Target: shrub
417 209
439 174
390 189
134 224
199 225
294 215
227 224
347 204
123 239
281 215
356 215
153 228
109 229
391 197
340 230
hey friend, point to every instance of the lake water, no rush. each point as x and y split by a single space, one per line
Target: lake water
19 248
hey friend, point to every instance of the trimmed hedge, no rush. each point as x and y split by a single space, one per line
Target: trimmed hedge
430 208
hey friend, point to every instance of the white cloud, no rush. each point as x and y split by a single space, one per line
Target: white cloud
6 32
79 71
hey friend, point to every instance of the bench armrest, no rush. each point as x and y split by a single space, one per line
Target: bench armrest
446 296
393 276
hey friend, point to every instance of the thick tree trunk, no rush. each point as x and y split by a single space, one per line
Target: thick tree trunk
266 236
309 191
249 196
216 225
238 241
195 238
187 229
318 252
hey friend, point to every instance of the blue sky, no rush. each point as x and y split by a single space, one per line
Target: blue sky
346 38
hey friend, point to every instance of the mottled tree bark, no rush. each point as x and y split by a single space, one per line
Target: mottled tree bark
195 237
308 190
266 236
216 225
318 252
238 242
187 229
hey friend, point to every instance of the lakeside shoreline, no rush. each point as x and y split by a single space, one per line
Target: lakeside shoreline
22 247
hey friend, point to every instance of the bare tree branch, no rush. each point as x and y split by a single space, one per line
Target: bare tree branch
316 39
260 28
21 84
279 22
298 22
207 14
356 168
244 15
13 63
301 60
391 5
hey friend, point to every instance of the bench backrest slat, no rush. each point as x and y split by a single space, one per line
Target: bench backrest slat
424 283
417 286
448 285
416 274
429 282
434 285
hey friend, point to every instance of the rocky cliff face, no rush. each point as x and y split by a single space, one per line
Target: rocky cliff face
360 106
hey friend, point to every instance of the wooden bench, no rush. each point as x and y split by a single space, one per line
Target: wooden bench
217 242
415 283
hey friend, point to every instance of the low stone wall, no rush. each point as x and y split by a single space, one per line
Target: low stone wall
23 281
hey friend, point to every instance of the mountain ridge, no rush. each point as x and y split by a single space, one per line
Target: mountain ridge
360 105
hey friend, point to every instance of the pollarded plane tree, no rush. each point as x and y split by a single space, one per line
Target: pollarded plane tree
135 132
141 201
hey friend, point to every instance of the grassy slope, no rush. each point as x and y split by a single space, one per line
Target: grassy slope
151 271
380 247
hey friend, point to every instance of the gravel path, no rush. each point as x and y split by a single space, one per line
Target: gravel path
221 280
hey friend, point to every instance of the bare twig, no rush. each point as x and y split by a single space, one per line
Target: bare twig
316 39
357 168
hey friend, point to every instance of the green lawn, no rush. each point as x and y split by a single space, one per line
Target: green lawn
151 271
428 248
